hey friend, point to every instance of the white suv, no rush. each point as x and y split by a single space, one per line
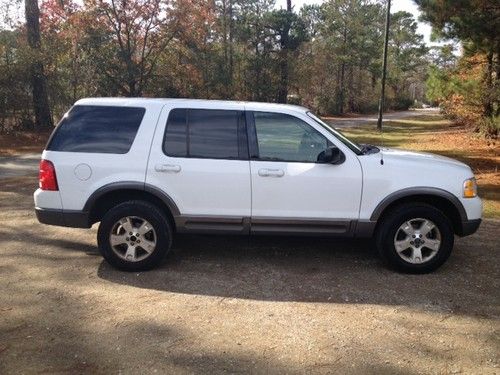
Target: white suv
149 168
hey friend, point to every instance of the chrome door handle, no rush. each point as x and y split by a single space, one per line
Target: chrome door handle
271 172
167 168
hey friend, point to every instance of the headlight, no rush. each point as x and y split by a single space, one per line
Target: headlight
470 188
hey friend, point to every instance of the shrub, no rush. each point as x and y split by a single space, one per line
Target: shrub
489 126
401 104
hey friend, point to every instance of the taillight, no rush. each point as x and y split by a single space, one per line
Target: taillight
47 176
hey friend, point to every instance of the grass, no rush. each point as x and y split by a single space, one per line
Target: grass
437 135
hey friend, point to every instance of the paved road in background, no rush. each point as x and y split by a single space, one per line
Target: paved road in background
343 122
19 165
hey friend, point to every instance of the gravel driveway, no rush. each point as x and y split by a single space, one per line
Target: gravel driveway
239 305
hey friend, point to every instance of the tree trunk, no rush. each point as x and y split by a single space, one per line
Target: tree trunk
257 94
497 78
342 88
488 100
225 43
43 118
350 92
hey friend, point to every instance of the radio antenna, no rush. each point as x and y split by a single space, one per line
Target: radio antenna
382 144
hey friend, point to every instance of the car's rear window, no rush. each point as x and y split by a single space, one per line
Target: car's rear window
97 129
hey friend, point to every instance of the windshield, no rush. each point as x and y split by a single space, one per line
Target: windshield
341 137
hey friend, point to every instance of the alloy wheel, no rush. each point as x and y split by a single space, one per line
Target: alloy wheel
417 240
133 238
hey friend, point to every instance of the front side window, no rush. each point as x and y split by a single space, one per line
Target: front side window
282 137
202 133
97 129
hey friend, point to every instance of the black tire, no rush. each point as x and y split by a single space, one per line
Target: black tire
141 209
391 222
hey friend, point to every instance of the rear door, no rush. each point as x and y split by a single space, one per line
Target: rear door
291 191
199 158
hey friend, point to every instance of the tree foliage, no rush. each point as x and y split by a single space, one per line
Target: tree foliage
468 89
324 56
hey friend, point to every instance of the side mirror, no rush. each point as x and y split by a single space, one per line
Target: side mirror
332 155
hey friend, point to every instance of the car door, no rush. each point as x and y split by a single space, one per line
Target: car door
291 191
199 158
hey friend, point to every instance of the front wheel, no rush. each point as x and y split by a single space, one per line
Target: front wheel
415 238
134 236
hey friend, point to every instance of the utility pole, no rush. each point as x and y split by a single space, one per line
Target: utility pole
384 66
284 56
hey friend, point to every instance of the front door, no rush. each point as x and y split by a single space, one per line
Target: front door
291 191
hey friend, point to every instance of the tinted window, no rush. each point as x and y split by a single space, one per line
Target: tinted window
97 129
175 143
213 134
287 138
202 133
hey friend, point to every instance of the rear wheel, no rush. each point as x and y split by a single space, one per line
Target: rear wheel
415 238
134 236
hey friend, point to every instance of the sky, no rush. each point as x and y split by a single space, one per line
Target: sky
396 6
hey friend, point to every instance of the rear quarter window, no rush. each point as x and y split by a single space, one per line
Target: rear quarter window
97 129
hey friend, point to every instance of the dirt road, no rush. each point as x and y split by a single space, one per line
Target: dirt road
235 305
342 122
20 165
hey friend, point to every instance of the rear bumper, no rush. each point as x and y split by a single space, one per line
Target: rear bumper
469 227
63 218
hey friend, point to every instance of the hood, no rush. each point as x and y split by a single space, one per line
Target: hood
420 157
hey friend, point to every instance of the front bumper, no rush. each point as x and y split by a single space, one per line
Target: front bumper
63 218
469 227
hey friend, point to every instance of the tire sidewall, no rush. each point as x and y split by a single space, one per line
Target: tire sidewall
392 224
142 210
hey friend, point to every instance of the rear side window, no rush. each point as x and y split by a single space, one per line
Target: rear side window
97 129
204 133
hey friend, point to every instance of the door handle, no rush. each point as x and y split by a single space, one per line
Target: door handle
168 168
271 172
